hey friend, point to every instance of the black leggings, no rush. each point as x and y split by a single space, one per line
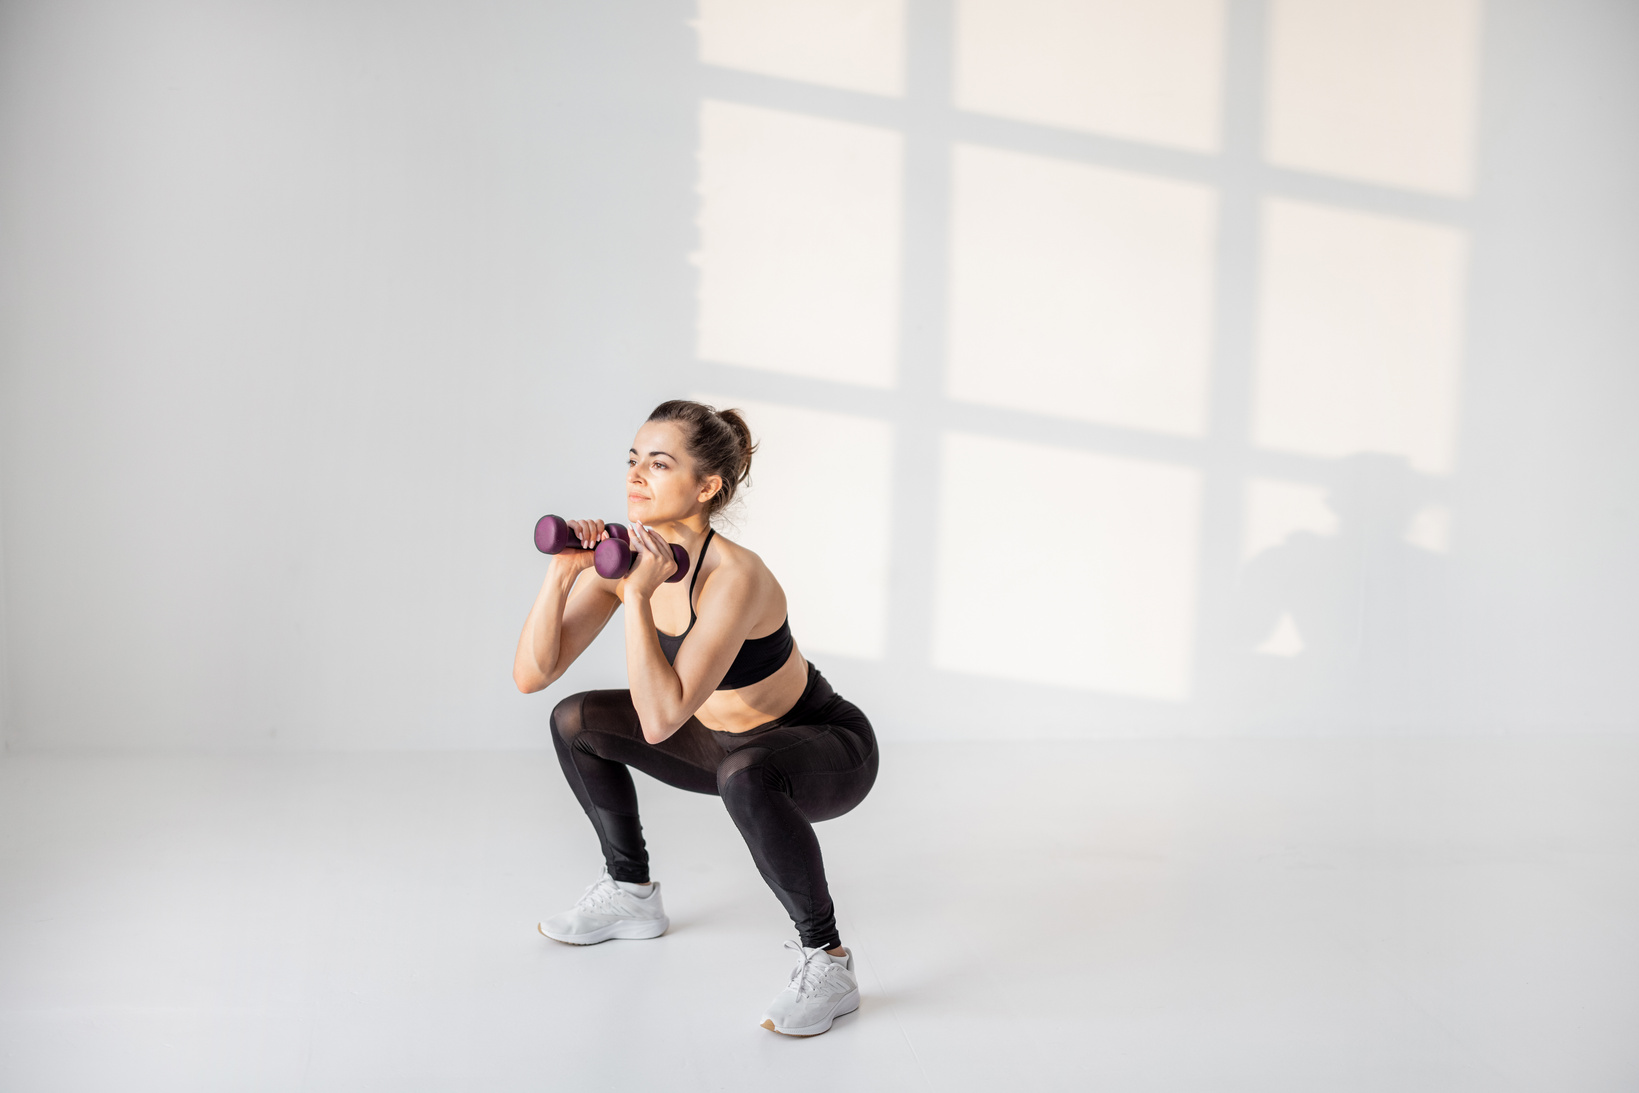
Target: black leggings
777 780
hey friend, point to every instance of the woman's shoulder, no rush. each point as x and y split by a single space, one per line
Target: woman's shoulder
737 575
732 557
742 565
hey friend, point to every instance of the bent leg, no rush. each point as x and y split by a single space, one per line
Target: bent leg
597 735
776 788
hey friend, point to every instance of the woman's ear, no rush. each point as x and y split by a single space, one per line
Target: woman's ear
709 488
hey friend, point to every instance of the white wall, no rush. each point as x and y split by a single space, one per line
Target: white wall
1301 351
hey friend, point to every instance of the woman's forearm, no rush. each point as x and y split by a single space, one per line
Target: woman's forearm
536 664
657 693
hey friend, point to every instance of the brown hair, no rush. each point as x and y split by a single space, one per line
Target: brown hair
719 442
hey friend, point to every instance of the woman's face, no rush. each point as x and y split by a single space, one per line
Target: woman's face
660 481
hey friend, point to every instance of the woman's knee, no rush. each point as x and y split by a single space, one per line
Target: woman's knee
745 774
569 717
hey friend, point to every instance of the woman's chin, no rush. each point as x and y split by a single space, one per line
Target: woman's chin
650 516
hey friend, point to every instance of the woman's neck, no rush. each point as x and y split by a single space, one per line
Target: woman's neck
688 533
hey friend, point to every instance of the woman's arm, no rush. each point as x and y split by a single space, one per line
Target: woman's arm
667 695
567 614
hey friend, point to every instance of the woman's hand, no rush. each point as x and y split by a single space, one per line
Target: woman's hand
654 561
589 533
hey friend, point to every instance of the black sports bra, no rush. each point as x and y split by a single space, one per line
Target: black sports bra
757 659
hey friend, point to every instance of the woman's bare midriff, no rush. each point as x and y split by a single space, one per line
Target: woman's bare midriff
745 708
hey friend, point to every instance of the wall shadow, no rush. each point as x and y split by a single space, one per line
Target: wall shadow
1344 631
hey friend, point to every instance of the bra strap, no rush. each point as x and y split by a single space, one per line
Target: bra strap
697 566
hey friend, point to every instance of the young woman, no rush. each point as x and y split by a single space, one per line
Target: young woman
721 702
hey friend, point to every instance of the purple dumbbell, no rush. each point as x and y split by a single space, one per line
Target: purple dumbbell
613 557
553 535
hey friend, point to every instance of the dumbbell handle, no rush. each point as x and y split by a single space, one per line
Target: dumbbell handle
613 557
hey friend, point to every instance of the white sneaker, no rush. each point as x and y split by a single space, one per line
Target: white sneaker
822 988
608 911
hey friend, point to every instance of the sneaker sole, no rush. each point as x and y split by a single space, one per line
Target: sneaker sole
620 931
848 1004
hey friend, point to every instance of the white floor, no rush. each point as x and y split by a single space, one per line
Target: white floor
1260 916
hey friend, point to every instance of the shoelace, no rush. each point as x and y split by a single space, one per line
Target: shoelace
809 973
600 896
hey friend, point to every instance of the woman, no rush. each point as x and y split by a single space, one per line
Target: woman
721 701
